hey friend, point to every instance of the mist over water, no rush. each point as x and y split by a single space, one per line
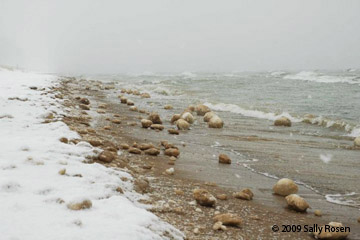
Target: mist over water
84 36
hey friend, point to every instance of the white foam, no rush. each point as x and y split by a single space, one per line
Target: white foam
250 113
321 78
262 173
188 75
343 199
355 132
277 73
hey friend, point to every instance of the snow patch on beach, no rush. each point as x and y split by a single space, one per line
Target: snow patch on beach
34 196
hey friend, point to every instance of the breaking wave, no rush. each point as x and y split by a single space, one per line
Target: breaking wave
322 78
351 130
349 199
250 113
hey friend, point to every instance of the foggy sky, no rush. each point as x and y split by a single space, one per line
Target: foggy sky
114 36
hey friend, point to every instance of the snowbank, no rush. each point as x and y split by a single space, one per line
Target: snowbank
34 196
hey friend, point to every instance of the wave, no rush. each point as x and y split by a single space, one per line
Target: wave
250 113
154 88
188 75
352 130
185 75
349 199
322 78
278 74
355 132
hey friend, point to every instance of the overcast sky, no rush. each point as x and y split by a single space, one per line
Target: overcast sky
114 36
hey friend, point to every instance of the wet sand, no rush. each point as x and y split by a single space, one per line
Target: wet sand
197 166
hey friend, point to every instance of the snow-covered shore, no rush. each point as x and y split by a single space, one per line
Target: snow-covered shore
34 196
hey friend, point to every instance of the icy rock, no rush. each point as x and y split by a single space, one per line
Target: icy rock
182 124
168 107
172 152
318 213
357 142
124 146
283 121
215 122
145 95
155 118
332 235
146 146
201 109
145 123
106 156
228 219
134 150
130 103
223 158
170 171
175 117
152 151
188 117
80 205
208 116
157 127
123 100
85 101
285 187
204 197
297 203
245 194
173 131
222 197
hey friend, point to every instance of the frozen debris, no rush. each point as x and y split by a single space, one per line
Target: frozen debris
342 232
245 194
285 187
283 121
223 158
80 205
182 124
146 123
170 171
228 219
204 197
297 203
155 118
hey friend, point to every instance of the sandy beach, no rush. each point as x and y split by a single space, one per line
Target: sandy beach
170 196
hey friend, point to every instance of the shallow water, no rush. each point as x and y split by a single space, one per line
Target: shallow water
316 151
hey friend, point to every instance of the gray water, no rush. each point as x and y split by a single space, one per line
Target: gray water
332 97
317 151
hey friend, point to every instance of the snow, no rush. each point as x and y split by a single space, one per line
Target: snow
326 158
31 188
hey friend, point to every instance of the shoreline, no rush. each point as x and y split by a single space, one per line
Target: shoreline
261 211
47 188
